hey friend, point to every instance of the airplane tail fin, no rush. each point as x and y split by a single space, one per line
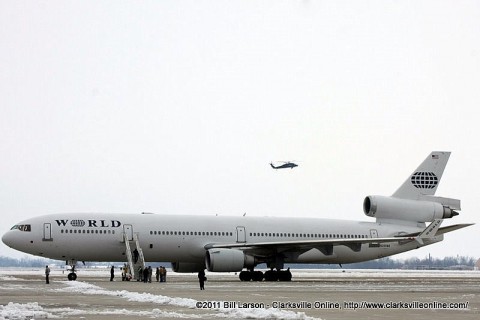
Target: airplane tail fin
271 164
425 179
415 201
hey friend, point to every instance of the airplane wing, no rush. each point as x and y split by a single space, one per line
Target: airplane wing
304 245
326 246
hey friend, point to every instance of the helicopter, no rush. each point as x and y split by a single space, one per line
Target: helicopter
286 164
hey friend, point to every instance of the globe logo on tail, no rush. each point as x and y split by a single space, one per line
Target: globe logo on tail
424 180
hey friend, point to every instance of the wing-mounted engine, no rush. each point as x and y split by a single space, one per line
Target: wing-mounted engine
187 267
426 209
228 260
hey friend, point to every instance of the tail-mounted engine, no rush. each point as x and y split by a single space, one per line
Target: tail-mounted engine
424 210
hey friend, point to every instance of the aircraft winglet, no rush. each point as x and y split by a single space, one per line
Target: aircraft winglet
430 231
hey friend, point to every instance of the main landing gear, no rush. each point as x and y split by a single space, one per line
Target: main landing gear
269 275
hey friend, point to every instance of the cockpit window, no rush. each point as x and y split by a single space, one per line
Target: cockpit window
22 227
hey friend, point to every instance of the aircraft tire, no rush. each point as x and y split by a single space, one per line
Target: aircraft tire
245 276
72 276
257 276
271 275
284 275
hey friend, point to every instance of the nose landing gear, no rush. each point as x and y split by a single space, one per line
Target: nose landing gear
72 276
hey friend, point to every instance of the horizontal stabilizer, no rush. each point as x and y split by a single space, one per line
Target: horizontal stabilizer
443 230
453 228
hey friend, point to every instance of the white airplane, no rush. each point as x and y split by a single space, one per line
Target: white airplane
232 244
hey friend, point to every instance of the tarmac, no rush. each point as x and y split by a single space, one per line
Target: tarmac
312 294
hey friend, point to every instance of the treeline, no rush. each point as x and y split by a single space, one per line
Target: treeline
458 262
417 263
27 262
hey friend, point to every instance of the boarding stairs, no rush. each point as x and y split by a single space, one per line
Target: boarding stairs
131 263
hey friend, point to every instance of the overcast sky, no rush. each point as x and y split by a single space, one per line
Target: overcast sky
178 107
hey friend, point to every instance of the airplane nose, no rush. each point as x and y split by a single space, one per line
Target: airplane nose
7 239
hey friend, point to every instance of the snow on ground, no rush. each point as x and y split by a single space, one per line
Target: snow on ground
244 313
33 310
24 311
9 278
86 288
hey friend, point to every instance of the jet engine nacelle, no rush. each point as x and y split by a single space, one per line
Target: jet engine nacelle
227 260
186 267
404 209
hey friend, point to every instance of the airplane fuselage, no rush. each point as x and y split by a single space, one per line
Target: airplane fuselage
180 238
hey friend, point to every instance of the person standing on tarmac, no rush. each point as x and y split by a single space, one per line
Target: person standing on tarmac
201 279
112 273
162 274
150 271
47 274
140 273
145 275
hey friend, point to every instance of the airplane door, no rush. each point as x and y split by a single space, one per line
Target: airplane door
373 233
47 232
128 230
241 234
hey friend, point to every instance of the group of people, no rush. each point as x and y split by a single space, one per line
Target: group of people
126 274
161 274
145 274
